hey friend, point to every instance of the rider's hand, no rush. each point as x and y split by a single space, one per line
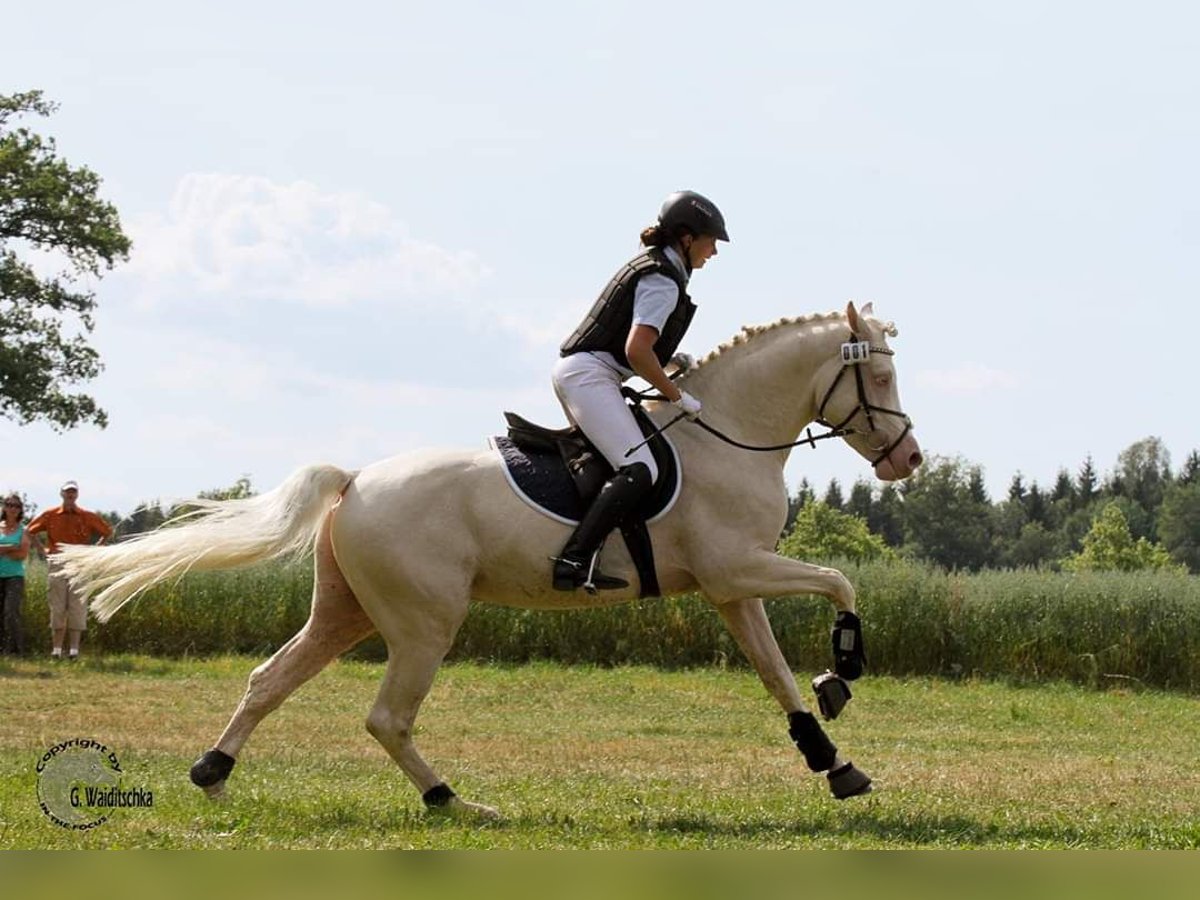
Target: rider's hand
688 405
684 362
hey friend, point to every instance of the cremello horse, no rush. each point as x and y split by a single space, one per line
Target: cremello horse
404 546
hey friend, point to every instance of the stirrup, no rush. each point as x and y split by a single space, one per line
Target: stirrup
569 575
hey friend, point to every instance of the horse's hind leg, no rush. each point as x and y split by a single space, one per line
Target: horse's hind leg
748 623
335 624
418 634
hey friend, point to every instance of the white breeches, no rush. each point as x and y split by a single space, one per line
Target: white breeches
589 390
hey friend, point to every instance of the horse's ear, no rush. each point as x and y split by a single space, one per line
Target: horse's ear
868 309
852 316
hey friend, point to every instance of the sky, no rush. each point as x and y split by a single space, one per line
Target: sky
363 228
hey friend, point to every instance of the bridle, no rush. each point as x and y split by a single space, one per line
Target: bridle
854 354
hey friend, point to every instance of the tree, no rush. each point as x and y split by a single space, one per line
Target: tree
1016 488
860 501
146 517
1033 547
239 490
1109 546
887 516
976 488
1064 491
822 533
48 207
1190 473
1179 524
942 521
803 496
1143 473
1035 504
833 495
1086 482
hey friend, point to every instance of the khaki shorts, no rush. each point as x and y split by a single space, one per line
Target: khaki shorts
67 609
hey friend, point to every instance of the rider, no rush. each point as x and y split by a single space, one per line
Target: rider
633 328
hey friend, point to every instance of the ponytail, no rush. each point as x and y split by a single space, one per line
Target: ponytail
657 236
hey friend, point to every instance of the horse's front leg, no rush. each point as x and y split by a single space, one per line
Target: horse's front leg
747 622
762 573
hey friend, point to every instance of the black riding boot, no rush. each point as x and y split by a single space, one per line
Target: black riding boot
576 566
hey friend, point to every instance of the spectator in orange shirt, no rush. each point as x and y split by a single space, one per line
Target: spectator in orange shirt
67 524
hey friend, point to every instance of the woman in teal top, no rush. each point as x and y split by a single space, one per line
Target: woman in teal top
14 547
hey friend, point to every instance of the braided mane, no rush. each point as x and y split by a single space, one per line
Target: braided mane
751 331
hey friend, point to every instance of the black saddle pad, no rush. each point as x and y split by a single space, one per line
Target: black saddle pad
540 477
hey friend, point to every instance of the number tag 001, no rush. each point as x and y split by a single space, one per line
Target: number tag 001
855 352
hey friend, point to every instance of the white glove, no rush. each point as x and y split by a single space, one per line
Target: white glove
688 405
684 362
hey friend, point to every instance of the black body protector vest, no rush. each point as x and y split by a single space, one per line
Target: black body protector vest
607 324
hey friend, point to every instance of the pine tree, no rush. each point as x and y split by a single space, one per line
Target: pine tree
887 516
1016 489
1035 505
860 501
1190 473
1086 482
833 495
976 487
1064 491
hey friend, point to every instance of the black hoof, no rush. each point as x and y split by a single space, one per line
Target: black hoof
211 768
848 781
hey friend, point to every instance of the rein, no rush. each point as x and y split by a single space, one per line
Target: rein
809 439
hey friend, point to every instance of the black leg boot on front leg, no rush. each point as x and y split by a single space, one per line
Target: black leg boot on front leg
575 567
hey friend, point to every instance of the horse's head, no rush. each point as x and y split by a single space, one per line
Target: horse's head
862 399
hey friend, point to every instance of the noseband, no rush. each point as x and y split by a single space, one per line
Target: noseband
854 354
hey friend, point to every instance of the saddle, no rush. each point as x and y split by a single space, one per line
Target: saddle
559 472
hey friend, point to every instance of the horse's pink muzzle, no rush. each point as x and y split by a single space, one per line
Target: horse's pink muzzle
902 461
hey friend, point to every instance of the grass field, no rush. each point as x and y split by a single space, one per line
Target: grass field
625 757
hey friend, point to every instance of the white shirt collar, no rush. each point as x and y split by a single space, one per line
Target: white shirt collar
676 260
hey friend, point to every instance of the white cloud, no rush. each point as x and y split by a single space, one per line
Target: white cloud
240 237
971 378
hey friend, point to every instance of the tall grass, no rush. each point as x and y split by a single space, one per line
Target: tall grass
1090 628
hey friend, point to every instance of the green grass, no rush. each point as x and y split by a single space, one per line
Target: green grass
610 757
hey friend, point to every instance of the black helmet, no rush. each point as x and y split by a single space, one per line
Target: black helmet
694 212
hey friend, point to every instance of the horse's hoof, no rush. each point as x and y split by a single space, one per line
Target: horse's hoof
216 791
465 811
848 781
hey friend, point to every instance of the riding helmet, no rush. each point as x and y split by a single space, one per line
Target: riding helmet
694 212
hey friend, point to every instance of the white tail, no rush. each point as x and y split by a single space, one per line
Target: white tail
222 534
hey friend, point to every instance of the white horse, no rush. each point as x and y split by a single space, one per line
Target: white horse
404 546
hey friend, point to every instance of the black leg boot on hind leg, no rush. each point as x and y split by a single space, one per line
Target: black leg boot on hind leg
575 567
847 780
